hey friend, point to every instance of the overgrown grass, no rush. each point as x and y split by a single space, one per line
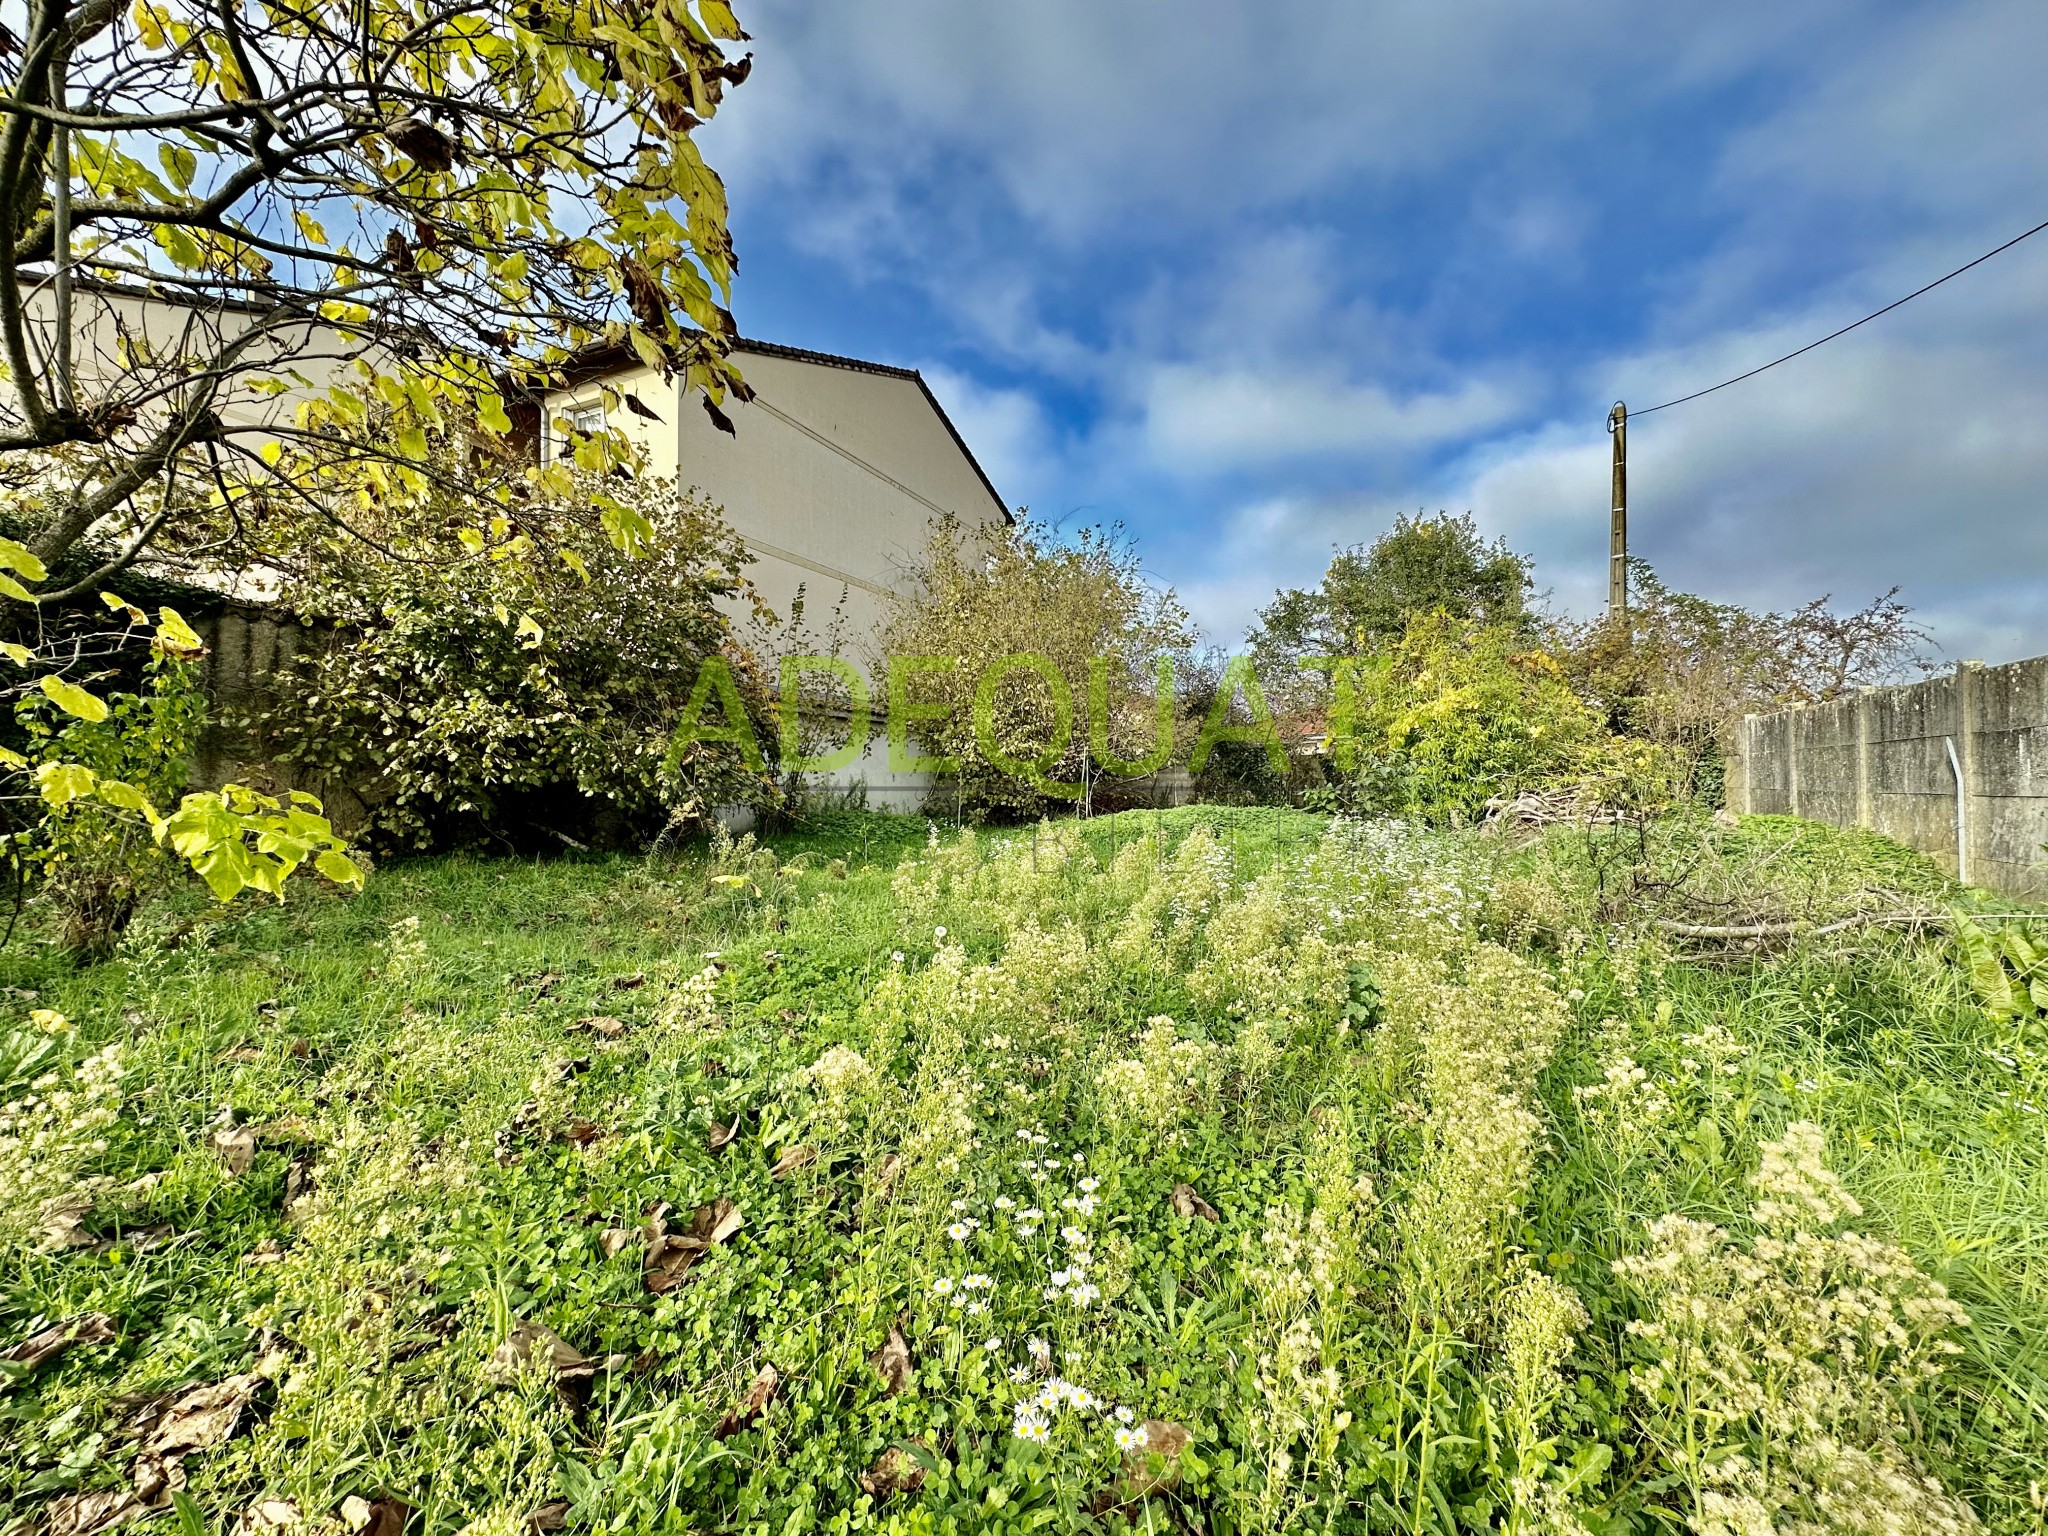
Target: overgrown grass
884 1051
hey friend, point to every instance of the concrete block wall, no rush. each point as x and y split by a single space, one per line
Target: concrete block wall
1880 758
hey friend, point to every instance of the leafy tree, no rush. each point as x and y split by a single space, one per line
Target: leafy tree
262 262
258 253
1090 616
1370 592
1685 667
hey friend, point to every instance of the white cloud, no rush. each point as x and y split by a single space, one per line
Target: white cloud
1202 419
1079 111
1005 427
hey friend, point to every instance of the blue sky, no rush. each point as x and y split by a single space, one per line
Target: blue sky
1250 280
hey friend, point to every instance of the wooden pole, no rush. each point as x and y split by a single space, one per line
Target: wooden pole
60 208
1617 530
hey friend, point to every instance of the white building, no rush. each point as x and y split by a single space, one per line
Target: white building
833 477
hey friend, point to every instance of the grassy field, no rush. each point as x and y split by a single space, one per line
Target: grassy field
1209 1170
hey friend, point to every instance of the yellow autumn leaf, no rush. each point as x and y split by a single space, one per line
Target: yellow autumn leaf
175 633
62 783
126 796
19 557
74 700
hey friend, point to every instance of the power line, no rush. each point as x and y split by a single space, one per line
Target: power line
1845 330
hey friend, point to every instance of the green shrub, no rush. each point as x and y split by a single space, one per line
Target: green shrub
96 862
519 672
1457 714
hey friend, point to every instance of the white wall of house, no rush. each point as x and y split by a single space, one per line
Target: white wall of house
834 477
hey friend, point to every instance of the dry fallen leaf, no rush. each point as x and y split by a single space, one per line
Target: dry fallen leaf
50 1342
63 1220
298 1188
236 1147
893 1361
887 1172
202 1418
670 1254
721 1135
795 1158
579 1131
1164 1440
758 1397
628 983
156 1478
374 1517
529 1340
269 1251
1187 1205
602 1024
141 1239
83 1514
616 1240
267 1517
895 1471
551 1516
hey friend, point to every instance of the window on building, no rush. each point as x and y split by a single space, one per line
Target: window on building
583 418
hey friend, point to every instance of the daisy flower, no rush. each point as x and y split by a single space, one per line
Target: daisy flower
1130 1439
943 1286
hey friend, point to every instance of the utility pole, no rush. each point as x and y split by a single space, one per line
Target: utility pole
1617 533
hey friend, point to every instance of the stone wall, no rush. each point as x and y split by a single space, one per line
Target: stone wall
1880 759
247 647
